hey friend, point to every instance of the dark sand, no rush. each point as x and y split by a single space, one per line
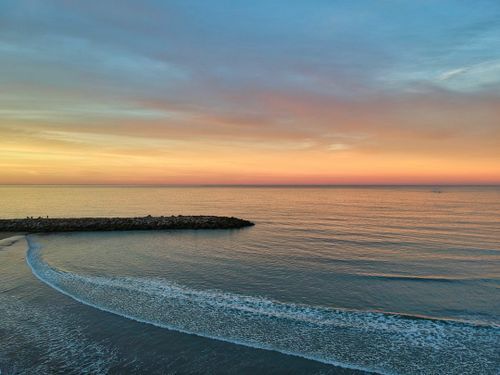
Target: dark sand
4 235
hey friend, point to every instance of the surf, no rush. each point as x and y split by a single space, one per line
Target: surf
363 340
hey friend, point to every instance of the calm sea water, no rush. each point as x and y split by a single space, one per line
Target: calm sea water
330 280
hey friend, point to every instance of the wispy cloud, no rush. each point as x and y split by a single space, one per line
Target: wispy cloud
452 73
473 77
338 147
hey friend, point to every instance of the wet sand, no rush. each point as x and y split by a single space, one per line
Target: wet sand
4 235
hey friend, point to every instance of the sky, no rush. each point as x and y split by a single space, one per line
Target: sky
250 92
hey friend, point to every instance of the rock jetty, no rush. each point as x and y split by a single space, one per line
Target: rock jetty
44 225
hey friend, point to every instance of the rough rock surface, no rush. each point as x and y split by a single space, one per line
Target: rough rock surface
41 225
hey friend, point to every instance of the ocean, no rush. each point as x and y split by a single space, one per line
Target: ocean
330 280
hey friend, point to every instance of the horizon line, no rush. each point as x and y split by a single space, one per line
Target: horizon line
496 184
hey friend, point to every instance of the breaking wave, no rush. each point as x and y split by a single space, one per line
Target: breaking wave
370 341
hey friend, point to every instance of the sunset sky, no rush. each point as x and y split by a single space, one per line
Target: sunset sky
249 92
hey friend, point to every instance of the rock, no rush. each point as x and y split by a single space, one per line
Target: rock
121 223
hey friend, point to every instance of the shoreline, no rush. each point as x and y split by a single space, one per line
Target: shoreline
4 235
10 227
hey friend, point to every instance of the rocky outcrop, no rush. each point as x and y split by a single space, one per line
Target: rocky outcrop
42 225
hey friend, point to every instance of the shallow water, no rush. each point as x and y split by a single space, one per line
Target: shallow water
391 280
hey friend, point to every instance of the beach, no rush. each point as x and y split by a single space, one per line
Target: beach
4 235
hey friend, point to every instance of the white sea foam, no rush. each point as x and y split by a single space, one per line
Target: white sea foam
40 337
373 341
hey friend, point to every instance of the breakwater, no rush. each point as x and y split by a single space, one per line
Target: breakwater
43 225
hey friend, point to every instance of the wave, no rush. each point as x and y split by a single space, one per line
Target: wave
369 341
441 279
